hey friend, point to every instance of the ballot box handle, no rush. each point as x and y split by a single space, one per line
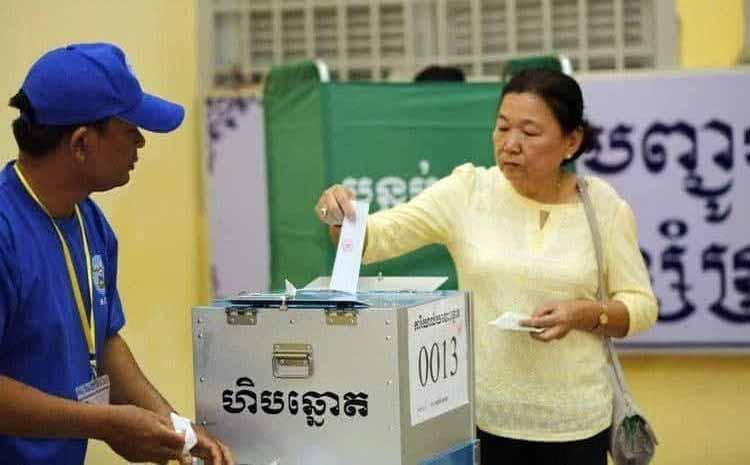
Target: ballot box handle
292 361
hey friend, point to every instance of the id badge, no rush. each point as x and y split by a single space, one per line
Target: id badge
94 392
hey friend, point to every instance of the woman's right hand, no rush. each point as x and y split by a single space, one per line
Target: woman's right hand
335 204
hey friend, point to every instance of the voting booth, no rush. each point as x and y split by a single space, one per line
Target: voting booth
385 141
329 378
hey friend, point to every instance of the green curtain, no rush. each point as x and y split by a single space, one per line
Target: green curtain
386 141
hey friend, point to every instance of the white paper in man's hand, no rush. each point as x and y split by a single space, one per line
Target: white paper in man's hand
182 425
511 321
349 253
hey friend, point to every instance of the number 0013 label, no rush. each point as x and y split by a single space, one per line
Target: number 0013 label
437 359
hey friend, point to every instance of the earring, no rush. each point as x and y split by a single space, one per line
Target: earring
570 155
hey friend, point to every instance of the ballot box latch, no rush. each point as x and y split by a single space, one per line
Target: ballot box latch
242 316
341 317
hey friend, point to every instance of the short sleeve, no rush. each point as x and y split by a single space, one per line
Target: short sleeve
116 314
627 276
429 218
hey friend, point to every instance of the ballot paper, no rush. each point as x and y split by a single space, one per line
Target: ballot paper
182 425
289 289
349 252
511 321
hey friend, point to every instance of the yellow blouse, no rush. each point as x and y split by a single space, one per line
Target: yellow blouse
526 389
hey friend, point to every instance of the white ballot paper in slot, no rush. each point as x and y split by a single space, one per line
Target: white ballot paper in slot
289 289
349 253
511 321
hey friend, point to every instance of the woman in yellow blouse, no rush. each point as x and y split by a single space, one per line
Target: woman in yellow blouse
518 235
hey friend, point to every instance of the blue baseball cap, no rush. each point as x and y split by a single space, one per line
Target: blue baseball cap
82 83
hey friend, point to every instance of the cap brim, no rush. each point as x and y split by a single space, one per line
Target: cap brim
155 114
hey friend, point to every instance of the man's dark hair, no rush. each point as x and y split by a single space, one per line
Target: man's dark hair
563 96
39 139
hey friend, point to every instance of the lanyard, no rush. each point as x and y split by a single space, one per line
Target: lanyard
89 329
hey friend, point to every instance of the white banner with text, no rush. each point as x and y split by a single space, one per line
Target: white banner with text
676 146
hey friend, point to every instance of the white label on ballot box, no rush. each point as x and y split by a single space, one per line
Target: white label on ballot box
437 360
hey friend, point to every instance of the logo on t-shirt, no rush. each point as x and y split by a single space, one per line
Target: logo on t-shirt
97 268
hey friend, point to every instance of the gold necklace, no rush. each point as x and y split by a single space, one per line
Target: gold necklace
544 214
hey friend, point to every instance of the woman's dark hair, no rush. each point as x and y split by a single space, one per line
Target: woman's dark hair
563 96
440 73
39 139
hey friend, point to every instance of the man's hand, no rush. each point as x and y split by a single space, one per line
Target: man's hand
139 435
208 448
130 386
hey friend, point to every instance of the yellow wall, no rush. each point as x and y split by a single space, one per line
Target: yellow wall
158 215
697 404
711 33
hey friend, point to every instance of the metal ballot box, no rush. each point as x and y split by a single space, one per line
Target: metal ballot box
320 380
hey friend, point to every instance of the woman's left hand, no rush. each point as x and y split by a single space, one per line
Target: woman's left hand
556 318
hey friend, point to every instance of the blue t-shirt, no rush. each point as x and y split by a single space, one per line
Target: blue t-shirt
41 340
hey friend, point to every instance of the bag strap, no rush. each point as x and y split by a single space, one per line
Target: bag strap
603 293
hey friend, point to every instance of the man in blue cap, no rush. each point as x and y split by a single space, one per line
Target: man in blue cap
66 374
